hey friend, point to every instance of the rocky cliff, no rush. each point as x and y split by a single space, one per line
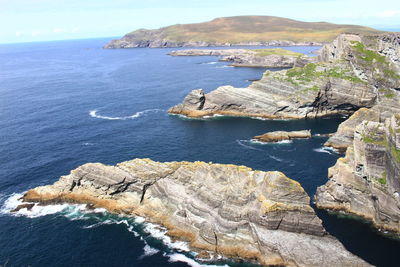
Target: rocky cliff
219 209
239 30
366 182
354 71
266 58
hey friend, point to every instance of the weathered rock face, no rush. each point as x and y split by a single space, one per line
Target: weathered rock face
353 74
224 209
251 58
282 135
366 182
345 132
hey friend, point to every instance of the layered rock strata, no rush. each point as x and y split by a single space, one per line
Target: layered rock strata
354 72
366 182
222 209
267 58
283 135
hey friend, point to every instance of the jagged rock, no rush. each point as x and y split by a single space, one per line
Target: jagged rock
366 182
353 73
252 58
345 132
226 209
282 135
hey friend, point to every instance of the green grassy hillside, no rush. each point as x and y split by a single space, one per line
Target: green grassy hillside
249 29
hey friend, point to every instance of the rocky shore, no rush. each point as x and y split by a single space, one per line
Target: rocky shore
353 72
266 58
218 209
366 182
278 136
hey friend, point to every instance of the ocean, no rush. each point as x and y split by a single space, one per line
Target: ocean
66 103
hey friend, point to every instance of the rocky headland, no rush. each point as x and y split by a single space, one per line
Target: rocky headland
366 182
218 209
278 136
238 31
266 58
353 72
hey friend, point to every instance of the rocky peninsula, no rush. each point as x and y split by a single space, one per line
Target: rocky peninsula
236 31
265 58
278 136
366 182
353 72
218 209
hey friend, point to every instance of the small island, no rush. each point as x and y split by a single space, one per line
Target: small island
264 58
278 136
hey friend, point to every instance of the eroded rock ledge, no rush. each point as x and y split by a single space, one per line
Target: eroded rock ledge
366 182
353 72
222 209
282 135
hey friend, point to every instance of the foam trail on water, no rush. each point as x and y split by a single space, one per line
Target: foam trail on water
241 143
177 257
328 150
93 113
209 63
254 141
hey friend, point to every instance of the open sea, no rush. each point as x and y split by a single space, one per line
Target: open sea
66 103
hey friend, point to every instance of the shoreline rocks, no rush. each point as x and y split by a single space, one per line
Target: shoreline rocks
257 58
349 76
366 182
278 136
229 210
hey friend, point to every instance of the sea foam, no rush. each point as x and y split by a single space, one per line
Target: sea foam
93 113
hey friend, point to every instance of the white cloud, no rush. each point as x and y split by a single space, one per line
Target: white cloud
18 34
389 13
59 30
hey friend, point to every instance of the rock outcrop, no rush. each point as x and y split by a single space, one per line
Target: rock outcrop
222 209
282 135
266 58
366 182
354 72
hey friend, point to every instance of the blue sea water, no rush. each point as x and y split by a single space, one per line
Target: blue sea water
66 103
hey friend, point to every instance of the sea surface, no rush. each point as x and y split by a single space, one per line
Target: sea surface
66 103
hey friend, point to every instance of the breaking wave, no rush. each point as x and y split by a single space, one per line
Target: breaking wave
93 113
327 150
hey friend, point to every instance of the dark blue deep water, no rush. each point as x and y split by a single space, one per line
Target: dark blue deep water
66 103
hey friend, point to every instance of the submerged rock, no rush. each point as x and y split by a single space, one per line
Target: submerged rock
282 135
221 209
366 182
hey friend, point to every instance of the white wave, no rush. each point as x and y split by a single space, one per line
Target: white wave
148 251
209 63
276 158
159 233
328 150
224 66
254 141
37 210
241 143
177 257
93 113
87 144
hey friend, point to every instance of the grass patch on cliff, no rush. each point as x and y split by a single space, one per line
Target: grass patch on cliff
275 51
383 179
387 93
309 73
395 153
366 54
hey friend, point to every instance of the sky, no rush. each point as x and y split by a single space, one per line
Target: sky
42 20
